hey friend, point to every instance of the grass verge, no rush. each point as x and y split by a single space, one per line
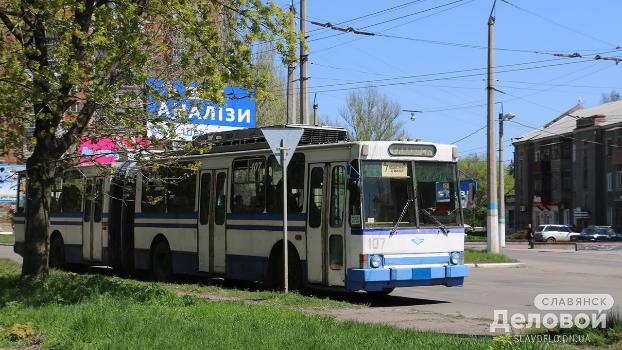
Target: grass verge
474 256
7 239
610 336
68 310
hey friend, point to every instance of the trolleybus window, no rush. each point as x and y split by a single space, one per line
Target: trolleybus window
154 194
436 187
315 197
387 188
206 189
55 195
295 185
220 211
99 200
336 252
338 196
248 187
181 187
71 195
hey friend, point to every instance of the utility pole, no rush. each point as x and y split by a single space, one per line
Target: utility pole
493 209
291 69
304 61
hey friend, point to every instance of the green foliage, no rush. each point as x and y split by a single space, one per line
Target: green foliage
474 256
271 108
474 166
518 235
371 116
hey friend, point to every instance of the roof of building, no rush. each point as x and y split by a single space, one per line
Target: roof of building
566 123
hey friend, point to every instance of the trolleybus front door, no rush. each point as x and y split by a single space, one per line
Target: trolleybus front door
92 219
325 224
211 221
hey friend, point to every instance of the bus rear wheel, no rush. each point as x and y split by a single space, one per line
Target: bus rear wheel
57 253
161 265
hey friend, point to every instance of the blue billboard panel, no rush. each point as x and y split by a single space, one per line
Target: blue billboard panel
468 188
238 110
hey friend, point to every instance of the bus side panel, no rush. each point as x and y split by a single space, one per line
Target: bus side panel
250 239
70 227
180 232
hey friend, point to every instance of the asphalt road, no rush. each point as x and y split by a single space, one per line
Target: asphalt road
6 252
469 309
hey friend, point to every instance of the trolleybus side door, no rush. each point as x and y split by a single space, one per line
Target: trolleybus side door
92 219
211 220
325 224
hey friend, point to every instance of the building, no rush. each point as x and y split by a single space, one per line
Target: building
569 171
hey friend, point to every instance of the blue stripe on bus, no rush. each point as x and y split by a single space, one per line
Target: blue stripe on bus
164 225
407 231
265 228
414 260
66 215
192 215
269 216
68 223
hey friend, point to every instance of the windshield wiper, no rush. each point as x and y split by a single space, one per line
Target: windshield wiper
397 223
440 224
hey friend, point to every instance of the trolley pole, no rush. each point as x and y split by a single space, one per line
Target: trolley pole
283 150
291 87
304 61
493 209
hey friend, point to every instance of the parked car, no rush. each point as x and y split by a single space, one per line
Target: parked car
554 233
599 234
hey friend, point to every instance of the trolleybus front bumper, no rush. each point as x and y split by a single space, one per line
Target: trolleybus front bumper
377 279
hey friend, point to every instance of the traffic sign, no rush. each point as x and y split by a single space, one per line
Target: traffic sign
282 138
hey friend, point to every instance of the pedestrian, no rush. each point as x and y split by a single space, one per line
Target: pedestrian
530 236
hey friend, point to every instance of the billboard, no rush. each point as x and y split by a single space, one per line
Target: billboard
8 182
199 116
107 150
468 188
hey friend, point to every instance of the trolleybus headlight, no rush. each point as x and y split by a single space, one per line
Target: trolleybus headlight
375 261
454 258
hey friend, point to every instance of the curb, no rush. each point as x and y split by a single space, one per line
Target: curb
7 244
497 265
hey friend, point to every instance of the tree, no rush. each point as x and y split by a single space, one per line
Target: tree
98 54
370 115
612 96
475 166
271 108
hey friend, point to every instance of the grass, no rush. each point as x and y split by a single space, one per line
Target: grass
69 310
8 239
610 336
474 256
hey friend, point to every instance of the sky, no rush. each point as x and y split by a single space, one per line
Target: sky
533 84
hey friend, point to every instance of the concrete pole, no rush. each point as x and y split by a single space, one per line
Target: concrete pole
492 223
501 185
304 61
285 240
291 85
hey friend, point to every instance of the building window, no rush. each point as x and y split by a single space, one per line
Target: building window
609 146
75 107
609 215
619 179
609 182
537 156
574 152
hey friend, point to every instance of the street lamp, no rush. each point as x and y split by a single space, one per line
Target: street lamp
412 113
502 117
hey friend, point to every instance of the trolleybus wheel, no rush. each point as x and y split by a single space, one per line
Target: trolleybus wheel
380 293
294 279
57 252
161 266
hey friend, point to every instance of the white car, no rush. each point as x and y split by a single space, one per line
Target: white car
554 233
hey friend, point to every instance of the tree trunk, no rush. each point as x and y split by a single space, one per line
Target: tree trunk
40 170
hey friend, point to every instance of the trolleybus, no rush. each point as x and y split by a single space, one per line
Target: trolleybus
362 215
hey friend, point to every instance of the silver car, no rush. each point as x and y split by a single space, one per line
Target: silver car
553 233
